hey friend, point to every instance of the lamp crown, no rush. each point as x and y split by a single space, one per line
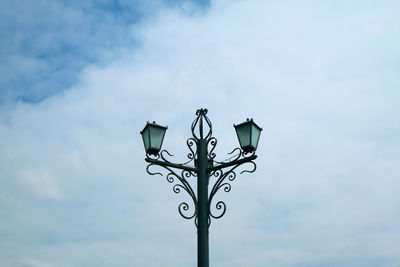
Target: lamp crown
201 126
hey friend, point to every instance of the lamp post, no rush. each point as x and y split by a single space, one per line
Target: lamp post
203 167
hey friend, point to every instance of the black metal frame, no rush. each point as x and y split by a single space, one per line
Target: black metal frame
203 166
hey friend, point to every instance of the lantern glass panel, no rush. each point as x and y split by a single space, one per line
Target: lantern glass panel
146 138
156 137
243 133
255 135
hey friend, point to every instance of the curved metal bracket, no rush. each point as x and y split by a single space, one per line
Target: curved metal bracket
225 177
181 184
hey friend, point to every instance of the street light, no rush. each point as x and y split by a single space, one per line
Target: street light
248 134
153 136
203 167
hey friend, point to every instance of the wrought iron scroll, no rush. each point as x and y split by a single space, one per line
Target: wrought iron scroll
212 143
223 181
201 122
181 184
192 154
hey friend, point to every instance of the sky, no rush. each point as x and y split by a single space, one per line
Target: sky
79 80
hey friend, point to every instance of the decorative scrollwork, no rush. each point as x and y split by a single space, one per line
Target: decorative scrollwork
212 142
223 181
220 206
236 154
203 133
227 187
152 173
250 171
182 184
184 207
231 175
163 157
190 143
170 178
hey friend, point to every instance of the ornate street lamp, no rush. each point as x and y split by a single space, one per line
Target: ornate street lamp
202 167
248 134
153 136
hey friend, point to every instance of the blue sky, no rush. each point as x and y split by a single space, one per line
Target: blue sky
45 44
80 80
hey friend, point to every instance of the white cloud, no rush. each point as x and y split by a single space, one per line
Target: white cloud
42 184
310 73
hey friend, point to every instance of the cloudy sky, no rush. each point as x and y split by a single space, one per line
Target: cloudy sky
79 80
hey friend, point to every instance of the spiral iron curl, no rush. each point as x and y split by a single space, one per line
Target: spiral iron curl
219 206
212 142
182 184
190 143
224 179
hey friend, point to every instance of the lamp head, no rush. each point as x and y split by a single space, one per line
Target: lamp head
248 134
153 137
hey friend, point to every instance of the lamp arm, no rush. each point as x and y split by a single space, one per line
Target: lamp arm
170 164
231 163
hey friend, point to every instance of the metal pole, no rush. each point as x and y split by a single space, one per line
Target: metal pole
202 194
